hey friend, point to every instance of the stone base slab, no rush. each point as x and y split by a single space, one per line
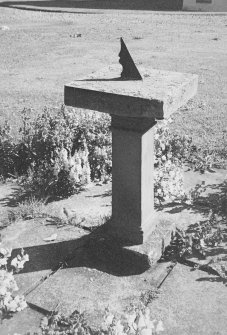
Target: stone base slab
155 244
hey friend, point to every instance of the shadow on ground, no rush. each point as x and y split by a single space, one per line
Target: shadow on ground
212 280
211 257
96 4
18 195
216 200
95 251
13 198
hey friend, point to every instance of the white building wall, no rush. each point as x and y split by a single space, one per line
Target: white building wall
214 6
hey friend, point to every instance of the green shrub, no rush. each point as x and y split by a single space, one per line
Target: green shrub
168 183
8 151
59 151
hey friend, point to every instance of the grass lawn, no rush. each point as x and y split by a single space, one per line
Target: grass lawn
41 52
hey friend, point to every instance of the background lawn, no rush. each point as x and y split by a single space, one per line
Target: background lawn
41 52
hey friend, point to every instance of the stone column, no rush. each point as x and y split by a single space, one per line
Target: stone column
133 178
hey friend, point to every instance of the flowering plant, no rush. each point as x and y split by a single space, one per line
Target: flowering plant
8 302
168 180
137 322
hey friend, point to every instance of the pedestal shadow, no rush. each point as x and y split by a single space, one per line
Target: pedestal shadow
96 251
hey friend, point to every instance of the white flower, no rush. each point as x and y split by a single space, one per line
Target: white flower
22 305
146 331
141 321
109 319
160 174
131 319
10 304
159 191
172 174
147 314
202 243
14 262
14 286
64 155
119 328
163 146
3 290
188 202
6 252
3 261
159 327
3 251
19 261
26 257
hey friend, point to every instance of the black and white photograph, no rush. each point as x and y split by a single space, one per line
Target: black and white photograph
113 167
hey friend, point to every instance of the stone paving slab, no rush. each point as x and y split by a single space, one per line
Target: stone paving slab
191 303
26 321
43 256
99 276
93 204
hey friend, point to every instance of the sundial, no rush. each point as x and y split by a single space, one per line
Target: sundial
136 98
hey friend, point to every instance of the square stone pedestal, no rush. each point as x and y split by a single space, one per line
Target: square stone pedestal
132 177
134 106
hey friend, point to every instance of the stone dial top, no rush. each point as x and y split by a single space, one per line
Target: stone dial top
157 95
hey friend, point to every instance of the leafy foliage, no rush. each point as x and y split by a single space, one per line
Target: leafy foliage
9 303
8 151
168 166
147 296
133 322
30 208
197 241
59 151
197 238
61 324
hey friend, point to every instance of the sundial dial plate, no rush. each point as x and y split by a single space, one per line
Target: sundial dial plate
157 95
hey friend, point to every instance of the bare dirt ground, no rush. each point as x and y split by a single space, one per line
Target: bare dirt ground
41 52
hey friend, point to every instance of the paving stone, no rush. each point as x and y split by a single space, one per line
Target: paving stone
99 276
24 322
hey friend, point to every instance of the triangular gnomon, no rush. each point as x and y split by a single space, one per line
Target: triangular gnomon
129 71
